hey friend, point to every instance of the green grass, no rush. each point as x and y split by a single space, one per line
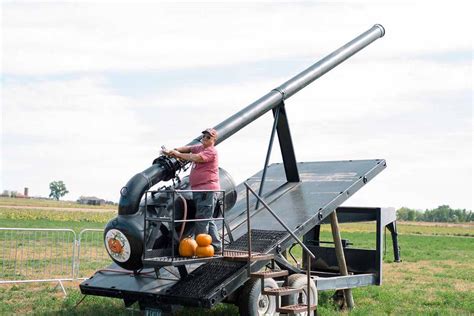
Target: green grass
415 228
47 299
75 220
44 223
436 276
49 203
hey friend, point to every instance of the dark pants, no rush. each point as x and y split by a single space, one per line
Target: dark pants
205 205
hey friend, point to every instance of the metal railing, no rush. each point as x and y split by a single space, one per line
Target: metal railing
163 216
308 252
37 255
90 245
30 255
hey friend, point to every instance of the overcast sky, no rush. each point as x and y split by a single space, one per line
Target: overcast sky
90 91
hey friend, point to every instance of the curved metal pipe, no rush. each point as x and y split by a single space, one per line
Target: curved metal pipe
130 195
165 168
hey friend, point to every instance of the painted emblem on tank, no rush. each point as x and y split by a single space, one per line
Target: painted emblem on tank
117 245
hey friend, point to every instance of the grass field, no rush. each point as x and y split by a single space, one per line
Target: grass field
49 203
436 276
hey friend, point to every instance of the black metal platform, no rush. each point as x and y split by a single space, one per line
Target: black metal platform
324 186
262 240
203 281
302 205
178 261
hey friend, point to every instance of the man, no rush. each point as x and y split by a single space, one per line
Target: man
204 176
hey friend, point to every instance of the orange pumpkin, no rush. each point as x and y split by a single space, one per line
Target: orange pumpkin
206 251
187 247
203 240
115 245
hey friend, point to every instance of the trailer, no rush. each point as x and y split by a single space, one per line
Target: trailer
261 222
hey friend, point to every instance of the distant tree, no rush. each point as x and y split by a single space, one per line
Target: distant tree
442 213
402 213
408 214
58 189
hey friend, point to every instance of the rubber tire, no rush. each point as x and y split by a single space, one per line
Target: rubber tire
298 281
131 230
250 296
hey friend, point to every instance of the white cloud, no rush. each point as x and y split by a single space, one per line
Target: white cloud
388 101
75 130
81 37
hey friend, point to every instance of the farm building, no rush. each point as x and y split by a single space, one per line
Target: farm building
90 200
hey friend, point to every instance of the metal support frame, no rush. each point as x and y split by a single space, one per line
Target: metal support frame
220 213
340 257
308 252
282 128
249 189
286 145
379 246
175 260
392 227
249 233
276 114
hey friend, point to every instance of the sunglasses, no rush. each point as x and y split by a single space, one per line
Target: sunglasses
206 136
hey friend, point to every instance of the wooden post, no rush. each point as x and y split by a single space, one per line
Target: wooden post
308 285
341 260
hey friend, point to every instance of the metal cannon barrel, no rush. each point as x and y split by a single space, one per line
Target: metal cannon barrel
164 168
295 84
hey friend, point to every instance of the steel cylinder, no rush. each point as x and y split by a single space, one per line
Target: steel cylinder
272 99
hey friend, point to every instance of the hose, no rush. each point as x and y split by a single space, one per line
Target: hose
185 216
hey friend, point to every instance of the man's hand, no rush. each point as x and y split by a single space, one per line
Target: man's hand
182 153
173 153
164 151
170 153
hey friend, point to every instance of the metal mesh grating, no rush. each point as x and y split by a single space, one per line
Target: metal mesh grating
262 240
201 282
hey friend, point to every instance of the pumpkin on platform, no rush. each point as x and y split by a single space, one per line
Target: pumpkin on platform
187 247
205 251
204 240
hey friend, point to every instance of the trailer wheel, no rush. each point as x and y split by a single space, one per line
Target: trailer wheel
253 303
300 281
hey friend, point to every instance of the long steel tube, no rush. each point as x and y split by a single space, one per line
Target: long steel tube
136 187
249 114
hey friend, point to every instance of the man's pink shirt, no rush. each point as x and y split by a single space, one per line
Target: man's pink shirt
205 175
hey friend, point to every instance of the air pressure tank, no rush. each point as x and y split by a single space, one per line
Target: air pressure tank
124 235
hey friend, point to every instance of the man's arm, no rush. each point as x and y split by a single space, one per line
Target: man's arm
185 156
184 153
183 149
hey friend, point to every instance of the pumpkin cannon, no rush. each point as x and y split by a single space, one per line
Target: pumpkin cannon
260 221
129 221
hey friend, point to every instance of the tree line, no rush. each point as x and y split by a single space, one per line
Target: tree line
442 213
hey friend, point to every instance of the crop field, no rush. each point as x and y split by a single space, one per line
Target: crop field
435 277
